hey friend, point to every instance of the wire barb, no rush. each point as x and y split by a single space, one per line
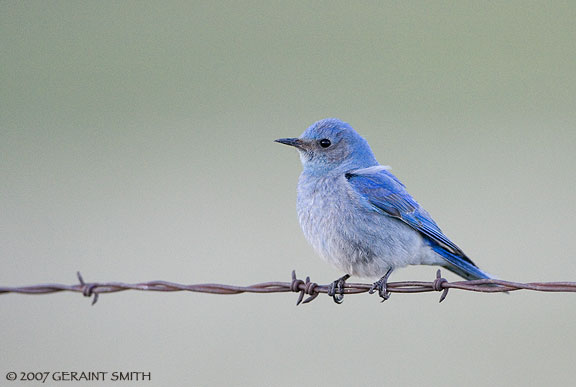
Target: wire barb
437 284
87 289
303 287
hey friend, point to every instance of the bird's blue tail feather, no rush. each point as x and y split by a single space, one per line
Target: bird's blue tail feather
459 266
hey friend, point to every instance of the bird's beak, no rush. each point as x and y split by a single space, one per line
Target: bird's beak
296 142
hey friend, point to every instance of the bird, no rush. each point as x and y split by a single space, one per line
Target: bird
359 217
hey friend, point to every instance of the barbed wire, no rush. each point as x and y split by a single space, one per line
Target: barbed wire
303 287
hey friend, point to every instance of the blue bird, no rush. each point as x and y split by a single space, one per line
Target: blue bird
359 217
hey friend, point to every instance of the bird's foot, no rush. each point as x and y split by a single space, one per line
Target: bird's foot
381 285
336 289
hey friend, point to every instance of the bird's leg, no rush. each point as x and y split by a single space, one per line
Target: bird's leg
337 289
381 286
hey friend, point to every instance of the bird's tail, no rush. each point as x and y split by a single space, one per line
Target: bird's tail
465 268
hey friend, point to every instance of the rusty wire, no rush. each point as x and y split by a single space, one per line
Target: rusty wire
303 287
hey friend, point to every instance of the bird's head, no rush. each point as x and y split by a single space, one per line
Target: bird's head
331 145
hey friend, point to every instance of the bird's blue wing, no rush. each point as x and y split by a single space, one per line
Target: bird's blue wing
388 195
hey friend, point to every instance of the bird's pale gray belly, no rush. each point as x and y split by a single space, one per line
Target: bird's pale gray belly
355 238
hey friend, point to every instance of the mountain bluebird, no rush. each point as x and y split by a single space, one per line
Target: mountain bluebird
359 217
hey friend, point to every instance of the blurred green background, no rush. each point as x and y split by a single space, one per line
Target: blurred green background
136 144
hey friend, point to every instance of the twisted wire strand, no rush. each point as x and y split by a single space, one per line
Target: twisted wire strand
303 287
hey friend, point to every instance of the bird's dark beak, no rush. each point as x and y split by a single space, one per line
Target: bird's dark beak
291 141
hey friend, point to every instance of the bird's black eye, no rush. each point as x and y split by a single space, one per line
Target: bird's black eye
324 143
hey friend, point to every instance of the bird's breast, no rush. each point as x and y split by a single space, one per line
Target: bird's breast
328 210
322 203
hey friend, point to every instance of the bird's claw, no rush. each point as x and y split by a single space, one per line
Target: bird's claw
382 286
336 289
